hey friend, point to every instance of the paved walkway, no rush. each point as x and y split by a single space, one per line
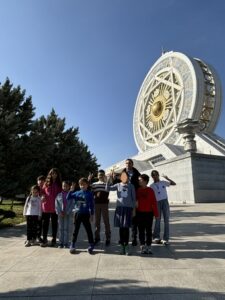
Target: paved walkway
192 267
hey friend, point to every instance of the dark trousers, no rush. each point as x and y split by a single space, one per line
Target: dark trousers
85 219
46 219
32 222
39 228
134 228
144 221
124 236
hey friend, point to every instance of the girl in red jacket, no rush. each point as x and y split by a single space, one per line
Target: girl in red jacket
145 211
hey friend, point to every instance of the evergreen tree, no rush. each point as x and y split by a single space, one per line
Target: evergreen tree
60 148
16 113
29 148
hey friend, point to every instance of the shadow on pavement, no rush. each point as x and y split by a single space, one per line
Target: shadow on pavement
101 288
15 231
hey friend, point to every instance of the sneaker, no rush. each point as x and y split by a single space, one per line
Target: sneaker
27 244
165 242
134 242
40 240
91 248
35 243
60 246
72 248
143 249
97 240
44 243
107 242
157 241
148 250
32 242
122 249
127 250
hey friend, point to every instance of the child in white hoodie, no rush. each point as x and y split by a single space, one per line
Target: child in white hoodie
32 211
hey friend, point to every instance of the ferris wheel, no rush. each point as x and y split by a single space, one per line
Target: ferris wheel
177 87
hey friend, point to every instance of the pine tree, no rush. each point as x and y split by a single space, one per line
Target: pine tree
29 148
16 113
54 146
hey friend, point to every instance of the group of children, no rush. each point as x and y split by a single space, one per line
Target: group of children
56 200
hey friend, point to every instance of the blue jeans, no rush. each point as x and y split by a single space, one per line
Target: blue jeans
64 229
163 208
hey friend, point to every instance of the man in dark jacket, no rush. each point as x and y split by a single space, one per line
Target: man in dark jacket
133 174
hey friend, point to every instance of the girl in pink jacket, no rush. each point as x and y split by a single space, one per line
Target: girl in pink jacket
52 187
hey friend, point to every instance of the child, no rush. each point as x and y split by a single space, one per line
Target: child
125 205
159 187
146 209
40 183
84 211
52 187
63 208
32 211
101 198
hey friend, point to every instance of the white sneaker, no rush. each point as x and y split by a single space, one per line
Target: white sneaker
166 243
27 244
157 241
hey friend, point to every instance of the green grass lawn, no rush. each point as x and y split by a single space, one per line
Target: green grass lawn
11 213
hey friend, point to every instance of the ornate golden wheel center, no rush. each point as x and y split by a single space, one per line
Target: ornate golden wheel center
155 111
161 107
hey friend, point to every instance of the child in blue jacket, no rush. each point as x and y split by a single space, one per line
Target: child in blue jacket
84 211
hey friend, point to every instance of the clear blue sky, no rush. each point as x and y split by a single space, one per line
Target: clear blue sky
88 58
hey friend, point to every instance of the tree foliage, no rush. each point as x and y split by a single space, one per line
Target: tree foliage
30 147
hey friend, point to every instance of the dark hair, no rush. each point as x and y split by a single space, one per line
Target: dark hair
49 180
83 180
41 177
66 182
154 172
130 160
145 177
101 171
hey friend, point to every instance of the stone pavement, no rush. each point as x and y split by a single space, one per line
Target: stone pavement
192 267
